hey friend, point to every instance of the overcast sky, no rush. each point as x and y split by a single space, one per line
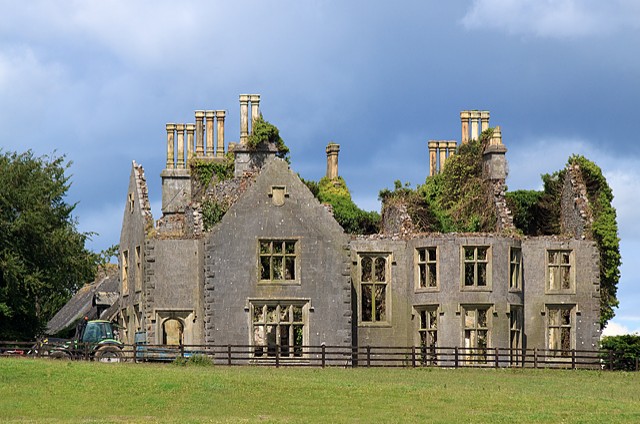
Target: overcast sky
98 80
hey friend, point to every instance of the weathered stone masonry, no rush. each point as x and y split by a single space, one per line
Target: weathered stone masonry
279 270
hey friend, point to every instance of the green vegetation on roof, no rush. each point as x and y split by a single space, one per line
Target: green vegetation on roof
352 219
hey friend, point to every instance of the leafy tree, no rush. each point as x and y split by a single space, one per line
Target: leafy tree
626 350
523 205
43 259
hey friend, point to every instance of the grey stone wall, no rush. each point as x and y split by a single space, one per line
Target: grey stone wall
450 296
136 218
232 270
585 297
175 287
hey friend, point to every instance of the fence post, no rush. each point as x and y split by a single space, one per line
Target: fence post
455 357
413 356
277 356
354 356
610 360
181 350
573 359
497 355
135 353
535 357
324 353
228 354
368 356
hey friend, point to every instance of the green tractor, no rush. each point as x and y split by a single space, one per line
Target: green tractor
96 339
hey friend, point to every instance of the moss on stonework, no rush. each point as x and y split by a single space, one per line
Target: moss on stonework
212 213
203 170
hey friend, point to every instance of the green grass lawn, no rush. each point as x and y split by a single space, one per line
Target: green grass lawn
33 390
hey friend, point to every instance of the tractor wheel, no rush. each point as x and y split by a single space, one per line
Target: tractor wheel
109 354
58 354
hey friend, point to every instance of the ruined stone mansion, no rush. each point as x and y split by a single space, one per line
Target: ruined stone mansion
278 269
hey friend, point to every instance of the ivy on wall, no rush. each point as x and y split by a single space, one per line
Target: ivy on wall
263 132
538 213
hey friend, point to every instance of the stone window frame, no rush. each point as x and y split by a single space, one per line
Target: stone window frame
516 333
555 349
125 272
429 265
138 276
273 255
427 335
474 354
388 258
515 269
184 316
131 202
475 261
295 349
560 265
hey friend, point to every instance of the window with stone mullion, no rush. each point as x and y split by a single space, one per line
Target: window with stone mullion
278 326
475 266
277 260
427 267
373 286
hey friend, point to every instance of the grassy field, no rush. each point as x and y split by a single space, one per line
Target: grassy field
62 391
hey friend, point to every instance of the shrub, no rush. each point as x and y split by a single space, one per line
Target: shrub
626 349
197 359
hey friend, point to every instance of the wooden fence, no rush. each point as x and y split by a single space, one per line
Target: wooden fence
342 356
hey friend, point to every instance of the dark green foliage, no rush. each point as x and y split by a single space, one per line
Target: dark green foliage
524 207
263 132
204 170
212 213
605 232
352 219
311 185
43 259
421 214
626 350
459 198
542 217
104 257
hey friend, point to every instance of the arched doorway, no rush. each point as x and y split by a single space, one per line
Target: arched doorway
172 330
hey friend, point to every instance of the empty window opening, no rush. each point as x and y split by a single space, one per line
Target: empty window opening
516 325
515 280
278 325
428 333
559 270
476 334
427 268
560 330
475 266
278 260
125 272
374 277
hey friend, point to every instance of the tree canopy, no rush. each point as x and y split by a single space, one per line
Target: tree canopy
43 259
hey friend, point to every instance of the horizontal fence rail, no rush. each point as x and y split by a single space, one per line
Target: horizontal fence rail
330 356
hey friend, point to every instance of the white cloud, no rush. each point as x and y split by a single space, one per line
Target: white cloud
554 18
615 329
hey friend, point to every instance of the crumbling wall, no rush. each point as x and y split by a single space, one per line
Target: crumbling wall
575 211
396 218
504 217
